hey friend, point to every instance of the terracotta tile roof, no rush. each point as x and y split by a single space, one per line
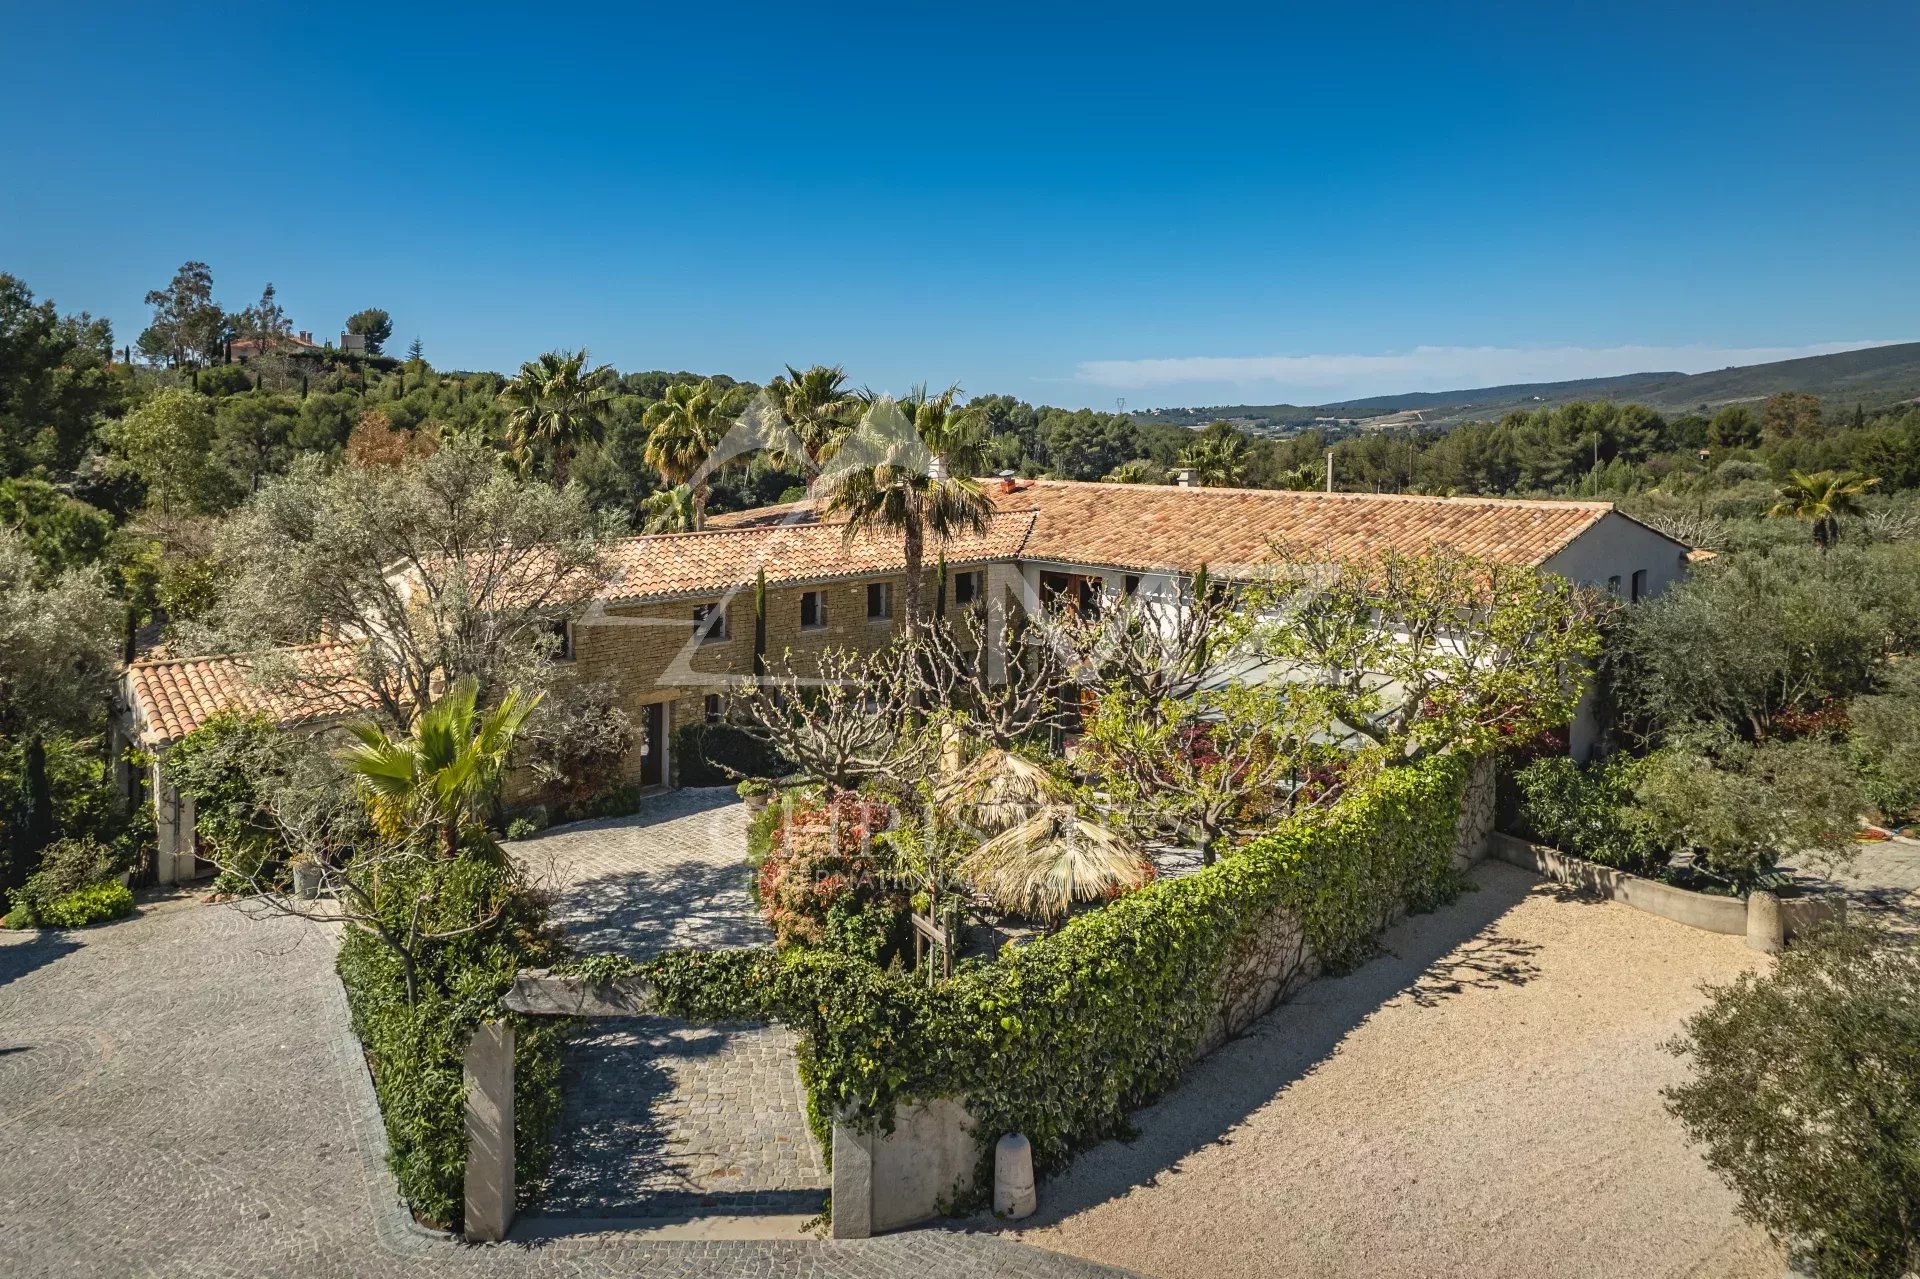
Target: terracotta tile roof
677 565
171 697
1164 527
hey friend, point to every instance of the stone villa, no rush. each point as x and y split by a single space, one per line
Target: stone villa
674 627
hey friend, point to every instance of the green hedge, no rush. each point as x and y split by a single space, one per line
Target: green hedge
416 1051
94 904
1061 1038
703 754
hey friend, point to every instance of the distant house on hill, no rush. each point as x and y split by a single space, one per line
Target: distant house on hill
241 350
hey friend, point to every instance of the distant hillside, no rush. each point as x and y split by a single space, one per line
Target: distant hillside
1875 378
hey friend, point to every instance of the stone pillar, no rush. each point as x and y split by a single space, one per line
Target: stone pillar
1766 922
489 1183
166 825
852 1183
1013 1194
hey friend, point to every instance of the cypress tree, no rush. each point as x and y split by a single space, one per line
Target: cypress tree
760 624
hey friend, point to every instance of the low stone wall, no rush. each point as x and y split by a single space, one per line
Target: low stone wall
1705 911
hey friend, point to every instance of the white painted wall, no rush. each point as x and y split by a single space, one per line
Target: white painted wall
1616 547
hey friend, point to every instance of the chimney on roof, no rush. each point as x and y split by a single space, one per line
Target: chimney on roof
306 335
1183 476
1006 482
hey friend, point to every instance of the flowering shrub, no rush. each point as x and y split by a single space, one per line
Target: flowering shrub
819 857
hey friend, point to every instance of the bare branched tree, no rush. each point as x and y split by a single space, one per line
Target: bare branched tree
1152 645
843 719
977 665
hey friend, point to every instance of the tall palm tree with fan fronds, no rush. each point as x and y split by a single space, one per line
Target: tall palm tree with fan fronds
1218 459
820 409
685 430
553 404
907 467
1822 499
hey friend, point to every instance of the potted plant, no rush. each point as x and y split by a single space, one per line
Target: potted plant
757 792
308 874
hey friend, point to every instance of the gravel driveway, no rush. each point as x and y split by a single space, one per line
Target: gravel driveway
180 1096
1479 1108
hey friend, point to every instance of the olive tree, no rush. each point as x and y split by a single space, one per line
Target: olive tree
441 567
1805 1098
1431 652
845 719
57 649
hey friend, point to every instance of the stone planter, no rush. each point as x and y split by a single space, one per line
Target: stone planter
758 803
306 881
1774 921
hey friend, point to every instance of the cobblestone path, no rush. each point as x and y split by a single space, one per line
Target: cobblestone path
660 1115
180 1096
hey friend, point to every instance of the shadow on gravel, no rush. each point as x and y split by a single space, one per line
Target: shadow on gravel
19 958
1435 957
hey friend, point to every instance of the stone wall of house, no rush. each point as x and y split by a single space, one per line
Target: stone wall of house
644 653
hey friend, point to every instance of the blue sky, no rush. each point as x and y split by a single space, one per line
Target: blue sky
1189 205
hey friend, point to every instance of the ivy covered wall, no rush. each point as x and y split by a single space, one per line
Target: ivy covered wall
1062 1038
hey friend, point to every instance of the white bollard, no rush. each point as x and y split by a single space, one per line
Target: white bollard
1013 1194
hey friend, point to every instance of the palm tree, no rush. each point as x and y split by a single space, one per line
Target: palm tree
685 430
553 403
1054 858
1822 499
998 791
443 772
905 468
669 510
1138 471
819 408
1218 459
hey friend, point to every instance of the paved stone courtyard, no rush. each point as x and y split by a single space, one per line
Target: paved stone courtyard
180 1096
662 1116
1883 880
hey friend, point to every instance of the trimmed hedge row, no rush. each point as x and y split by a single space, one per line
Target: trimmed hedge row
1062 1038
416 1051
721 754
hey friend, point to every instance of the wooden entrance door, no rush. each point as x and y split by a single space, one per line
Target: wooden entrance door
653 763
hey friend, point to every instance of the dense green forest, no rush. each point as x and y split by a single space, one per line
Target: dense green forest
128 465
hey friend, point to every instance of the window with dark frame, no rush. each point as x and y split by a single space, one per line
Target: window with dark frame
966 587
713 708
719 632
879 601
563 631
813 610
1613 586
1639 585
1130 585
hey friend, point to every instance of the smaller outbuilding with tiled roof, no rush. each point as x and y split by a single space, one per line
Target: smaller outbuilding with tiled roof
165 698
169 697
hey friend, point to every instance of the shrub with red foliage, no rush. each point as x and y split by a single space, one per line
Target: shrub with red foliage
1828 719
820 855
